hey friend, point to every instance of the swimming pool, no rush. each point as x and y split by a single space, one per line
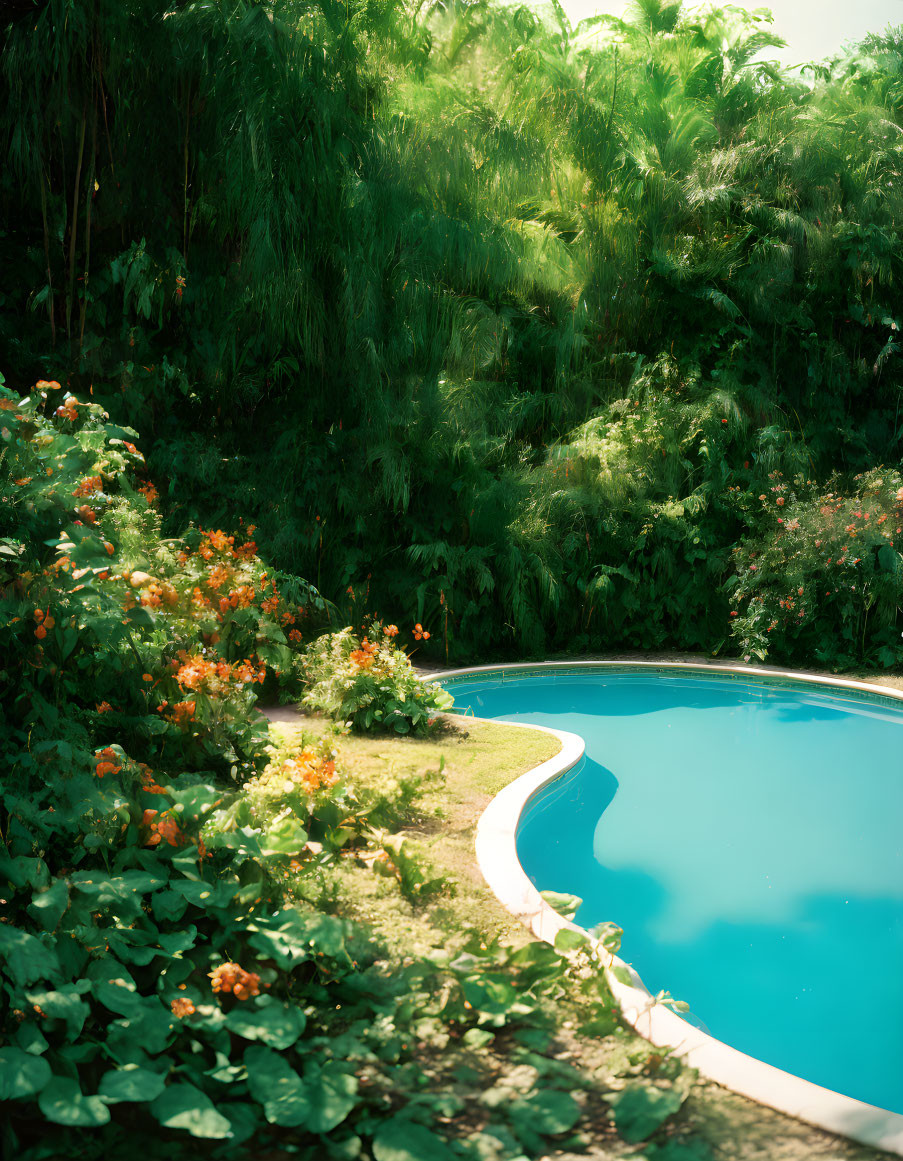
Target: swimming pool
746 834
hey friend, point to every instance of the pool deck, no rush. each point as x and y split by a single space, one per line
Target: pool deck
497 857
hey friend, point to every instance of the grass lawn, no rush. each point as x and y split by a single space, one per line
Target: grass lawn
477 759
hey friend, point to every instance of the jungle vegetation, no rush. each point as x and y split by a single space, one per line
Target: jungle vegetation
525 336
501 322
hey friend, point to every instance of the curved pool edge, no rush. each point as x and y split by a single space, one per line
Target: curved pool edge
496 853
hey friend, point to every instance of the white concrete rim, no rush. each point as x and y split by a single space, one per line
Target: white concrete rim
496 852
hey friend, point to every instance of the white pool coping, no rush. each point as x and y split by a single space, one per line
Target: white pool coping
497 857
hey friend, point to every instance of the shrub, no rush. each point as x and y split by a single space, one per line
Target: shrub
821 575
370 683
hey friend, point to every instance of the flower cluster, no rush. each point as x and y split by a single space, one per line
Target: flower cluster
88 486
827 558
232 978
309 770
44 622
106 762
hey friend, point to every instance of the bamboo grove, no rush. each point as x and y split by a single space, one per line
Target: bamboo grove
552 337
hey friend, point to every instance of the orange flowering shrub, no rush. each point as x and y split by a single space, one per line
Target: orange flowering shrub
370 683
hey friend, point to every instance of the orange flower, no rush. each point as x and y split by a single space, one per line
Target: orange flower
310 772
68 409
219 574
420 634
104 707
183 713
182 1007
232 977
391 630
149 492
40 632
270 605
106 762
295 636
88 486
47 385
87 514
22 481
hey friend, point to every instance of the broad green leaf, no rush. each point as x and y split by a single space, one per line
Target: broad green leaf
640 1109
130 1084
492 994
21 1074
332 1093
275 1085
569 940
182 1106
404 1140
566 905
63 1102
274 1024
548 1112
48 907
286 838
64 1004
168 905
27 959
22 871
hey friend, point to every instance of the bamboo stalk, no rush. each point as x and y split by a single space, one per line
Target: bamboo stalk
83 309
50 302
73 228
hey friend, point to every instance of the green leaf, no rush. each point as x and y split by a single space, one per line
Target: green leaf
640 1109
275 1085
21 1074
48 907
567 906
182 1106
130 1084
569 940
23 870
27 959
404 1140
286 838
332 1093
276 1025
64 1103
549 1112
168 905
65 1004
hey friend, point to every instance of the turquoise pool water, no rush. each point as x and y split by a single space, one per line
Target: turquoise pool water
748 837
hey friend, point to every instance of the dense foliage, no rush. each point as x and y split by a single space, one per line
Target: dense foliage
476 313
172 977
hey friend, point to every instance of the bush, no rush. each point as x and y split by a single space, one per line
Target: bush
821 574
370 683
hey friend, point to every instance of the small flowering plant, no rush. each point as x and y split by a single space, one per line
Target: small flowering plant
369 681
822 573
